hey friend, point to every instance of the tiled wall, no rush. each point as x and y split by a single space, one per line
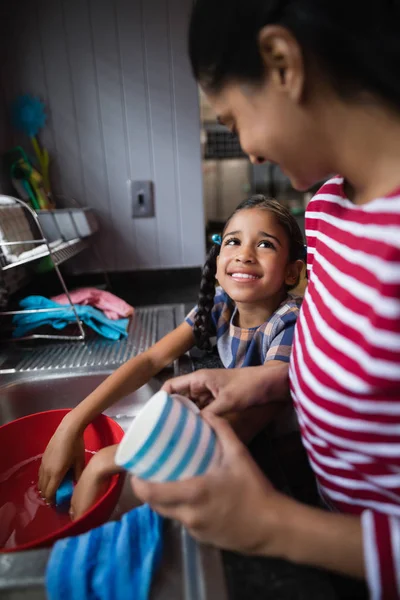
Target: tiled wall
123 106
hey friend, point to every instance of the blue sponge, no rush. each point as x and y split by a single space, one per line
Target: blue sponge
65 491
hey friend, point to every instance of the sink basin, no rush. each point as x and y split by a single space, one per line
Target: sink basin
27 394
188 571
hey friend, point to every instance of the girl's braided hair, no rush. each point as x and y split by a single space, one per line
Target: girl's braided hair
203 325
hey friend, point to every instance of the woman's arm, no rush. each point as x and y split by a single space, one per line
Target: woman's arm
249 398
251 421
224 391
314 537
236 508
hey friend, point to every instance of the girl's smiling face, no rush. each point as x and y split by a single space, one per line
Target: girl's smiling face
253 264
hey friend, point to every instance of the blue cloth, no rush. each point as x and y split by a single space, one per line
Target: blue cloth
116 561
24 323
64 492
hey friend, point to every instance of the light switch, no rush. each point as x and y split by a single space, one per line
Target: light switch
142 195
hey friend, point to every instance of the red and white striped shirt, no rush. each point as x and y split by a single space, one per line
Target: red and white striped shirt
345 369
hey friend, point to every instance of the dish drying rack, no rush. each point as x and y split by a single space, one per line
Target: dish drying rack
58 253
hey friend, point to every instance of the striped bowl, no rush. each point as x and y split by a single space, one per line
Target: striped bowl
168 441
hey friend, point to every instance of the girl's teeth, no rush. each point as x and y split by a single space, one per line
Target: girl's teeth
244 276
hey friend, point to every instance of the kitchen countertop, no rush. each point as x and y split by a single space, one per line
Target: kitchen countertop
285 463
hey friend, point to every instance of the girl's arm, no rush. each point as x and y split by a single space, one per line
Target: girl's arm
94 481
132 375
65 449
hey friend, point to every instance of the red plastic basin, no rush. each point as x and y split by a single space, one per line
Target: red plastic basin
25 521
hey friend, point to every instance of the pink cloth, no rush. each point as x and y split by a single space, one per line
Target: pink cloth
113 307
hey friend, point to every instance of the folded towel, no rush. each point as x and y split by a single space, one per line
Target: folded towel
116 561
112 306
24 323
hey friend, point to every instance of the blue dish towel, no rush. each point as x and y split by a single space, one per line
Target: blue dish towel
116 561
24 323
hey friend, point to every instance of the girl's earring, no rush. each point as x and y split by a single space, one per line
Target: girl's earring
217 239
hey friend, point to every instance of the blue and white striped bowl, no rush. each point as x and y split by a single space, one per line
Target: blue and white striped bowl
168 441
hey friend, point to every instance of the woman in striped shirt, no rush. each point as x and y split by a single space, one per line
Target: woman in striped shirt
314 86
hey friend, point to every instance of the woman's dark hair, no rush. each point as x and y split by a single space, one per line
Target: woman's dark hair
203 325
354 43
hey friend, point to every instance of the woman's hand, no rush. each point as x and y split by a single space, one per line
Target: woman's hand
230 390
236 508
94 481
232 507
65 450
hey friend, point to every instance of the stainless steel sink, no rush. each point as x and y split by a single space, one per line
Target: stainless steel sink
188 571
35 378
27 393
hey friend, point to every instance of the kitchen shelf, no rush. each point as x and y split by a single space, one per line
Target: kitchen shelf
61 253
58 253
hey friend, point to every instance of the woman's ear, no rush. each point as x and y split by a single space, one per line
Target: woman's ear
283 60
293 272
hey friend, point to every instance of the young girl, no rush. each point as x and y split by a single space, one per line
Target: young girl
314 86
256 261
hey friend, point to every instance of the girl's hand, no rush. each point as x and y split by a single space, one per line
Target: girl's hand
64 451
94 481
233 506
231 390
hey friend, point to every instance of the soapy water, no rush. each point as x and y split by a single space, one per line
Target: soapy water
24 515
